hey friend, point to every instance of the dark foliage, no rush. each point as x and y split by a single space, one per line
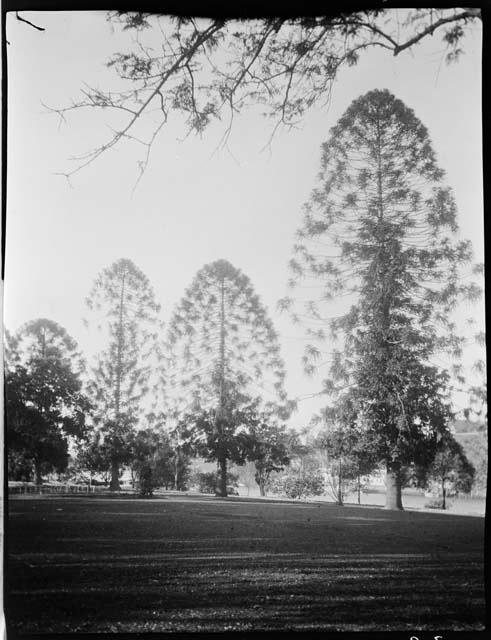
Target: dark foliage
124 303
381 229
206 70
45 405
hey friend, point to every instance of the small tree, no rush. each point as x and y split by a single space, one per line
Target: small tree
476 450
45 406
451 467
267 448
348 444
94 456
246 474
144 447
349 459
299 482
206 481
180 442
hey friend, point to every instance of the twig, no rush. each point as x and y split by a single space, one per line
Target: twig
31 24
471 13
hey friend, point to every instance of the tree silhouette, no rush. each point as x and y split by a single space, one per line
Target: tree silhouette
451 465
128 369
209 69
268 449
380 233
350 448
45 406
224 358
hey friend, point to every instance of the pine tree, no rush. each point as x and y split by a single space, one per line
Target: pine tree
224 355
380 230
124 374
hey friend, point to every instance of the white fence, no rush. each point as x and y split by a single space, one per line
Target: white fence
53 489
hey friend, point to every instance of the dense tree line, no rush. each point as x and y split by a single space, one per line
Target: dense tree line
130 411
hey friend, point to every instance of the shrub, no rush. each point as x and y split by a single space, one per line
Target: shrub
299 484
207 481
146 483
437 503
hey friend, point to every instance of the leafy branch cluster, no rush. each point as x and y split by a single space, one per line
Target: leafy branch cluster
379 230
220 334
209 69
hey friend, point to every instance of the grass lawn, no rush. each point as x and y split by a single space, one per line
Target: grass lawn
209 564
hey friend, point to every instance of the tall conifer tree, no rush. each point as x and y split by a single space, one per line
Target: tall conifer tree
124 375
224 357
380 234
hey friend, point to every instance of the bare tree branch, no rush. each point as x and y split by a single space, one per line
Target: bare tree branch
286 66
465 15
185 55
31 24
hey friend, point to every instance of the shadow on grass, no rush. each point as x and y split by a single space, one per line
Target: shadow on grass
190 565
253 590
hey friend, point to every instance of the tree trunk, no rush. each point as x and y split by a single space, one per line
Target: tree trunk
262 490
119 359
221 484
260 478
340 485
176 471
37 472
393 495
114 484
359 490
444 494
221 488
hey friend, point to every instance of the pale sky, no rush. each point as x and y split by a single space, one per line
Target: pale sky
194 205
